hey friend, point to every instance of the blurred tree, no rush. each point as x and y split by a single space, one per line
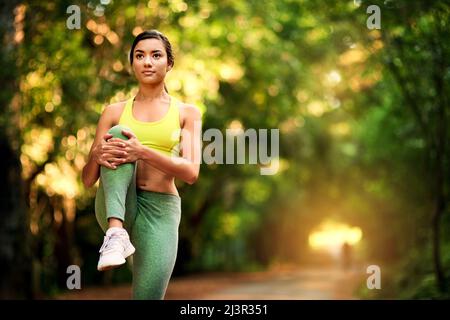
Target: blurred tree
359 112
15 257
416 38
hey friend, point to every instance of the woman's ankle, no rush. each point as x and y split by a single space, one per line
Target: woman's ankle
115 223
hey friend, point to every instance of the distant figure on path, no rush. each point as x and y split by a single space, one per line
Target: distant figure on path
346 256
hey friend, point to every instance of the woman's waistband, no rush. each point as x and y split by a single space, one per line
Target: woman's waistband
157 193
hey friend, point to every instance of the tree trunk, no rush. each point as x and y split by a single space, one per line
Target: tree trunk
436 139
441 135
14 238
15 262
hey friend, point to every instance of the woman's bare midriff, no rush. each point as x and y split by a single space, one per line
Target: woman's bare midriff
148 177
151 179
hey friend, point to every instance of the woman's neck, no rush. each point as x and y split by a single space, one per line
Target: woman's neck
150 93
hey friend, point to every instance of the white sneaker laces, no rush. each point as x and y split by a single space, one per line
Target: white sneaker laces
111 243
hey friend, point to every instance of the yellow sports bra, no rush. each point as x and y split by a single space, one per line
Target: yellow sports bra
162 135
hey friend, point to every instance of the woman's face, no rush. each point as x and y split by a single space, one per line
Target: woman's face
150 62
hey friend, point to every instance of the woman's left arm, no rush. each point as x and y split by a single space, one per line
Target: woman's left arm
187 166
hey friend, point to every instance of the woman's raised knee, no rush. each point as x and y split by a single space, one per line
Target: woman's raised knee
116 131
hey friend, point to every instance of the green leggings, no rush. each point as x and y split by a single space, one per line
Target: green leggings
152 220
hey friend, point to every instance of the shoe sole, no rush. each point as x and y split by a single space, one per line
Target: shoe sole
110 267
128 252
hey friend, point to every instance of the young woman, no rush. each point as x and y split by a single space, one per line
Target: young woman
141 145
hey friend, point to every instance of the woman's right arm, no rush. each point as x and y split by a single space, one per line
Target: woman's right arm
103 152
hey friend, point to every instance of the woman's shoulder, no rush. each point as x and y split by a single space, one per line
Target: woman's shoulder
114 110
189 110
117 106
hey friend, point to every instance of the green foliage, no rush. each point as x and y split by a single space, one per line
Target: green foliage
357 109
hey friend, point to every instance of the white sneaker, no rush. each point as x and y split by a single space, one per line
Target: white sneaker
115 249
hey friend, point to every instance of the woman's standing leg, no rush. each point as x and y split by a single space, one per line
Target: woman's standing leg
155 235
116 199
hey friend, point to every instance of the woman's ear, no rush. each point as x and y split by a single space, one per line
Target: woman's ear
169 67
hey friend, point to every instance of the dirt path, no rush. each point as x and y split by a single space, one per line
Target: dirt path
309 284
293 284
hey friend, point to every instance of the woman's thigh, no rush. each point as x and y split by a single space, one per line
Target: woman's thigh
155 237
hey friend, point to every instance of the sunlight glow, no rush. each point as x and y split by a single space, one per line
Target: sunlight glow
231 72
330 236
316 108
235 128
333 78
